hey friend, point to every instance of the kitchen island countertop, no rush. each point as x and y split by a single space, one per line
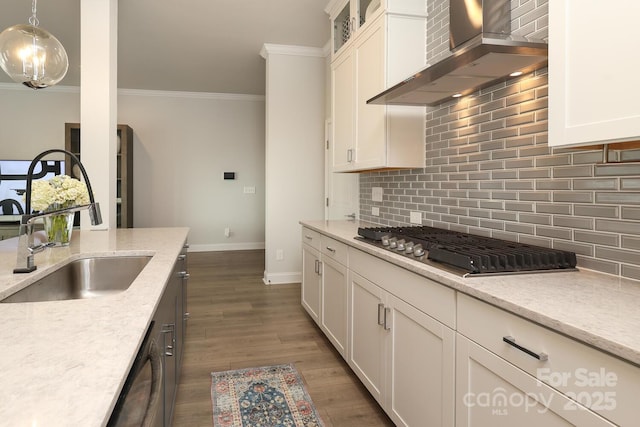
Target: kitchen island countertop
596 308
64 362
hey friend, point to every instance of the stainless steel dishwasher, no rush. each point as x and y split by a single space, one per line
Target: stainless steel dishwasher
140 403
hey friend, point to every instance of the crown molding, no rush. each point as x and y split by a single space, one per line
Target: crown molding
193 95
283 49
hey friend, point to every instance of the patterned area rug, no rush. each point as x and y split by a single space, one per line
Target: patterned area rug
270 396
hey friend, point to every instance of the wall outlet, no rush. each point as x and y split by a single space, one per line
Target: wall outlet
279 255
415 218
227 232
249 190
376 194
375 211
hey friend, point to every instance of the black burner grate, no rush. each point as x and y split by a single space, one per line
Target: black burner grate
476 254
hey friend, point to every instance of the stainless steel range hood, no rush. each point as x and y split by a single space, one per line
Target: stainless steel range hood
483 53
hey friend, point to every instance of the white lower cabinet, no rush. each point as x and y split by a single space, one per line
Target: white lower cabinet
324 285
311 273
404 357
367 343
493 392
333 320
431 356
507 355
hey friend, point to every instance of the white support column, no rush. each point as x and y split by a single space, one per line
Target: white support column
98 103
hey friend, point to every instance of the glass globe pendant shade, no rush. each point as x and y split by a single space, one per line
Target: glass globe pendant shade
32 56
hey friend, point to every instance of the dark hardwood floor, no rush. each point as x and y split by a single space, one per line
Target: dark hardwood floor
238 322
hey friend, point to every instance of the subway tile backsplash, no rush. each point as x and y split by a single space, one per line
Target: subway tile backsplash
489 170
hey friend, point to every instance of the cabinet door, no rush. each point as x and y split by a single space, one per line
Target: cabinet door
367 338
492 392
342 98
310 292
593 99
370 119
334 303
420 368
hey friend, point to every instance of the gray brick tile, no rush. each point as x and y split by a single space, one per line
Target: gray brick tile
534 173
578 248
630 213
573 171
554 208
518 206
620 255
533 218
519 228
631 242
617 170
599 265
557 160
574 222
537 241
555 184
630 271
595 184
554 232
519 163
626 227
606 239
630 184
597 211
574 197
619 198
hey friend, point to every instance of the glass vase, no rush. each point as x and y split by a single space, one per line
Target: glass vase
59 228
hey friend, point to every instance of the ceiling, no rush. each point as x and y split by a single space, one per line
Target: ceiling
185 45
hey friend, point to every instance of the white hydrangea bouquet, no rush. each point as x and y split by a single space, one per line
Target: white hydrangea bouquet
59 192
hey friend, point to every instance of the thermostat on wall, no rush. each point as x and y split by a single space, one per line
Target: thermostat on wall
229 175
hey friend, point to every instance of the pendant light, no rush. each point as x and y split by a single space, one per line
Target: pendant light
31 55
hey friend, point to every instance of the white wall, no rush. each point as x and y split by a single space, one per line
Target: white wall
33 121
295 112
183 142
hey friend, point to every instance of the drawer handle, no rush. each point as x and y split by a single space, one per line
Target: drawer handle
543 357
330 249
306 236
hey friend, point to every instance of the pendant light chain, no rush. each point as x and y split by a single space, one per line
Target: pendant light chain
33 19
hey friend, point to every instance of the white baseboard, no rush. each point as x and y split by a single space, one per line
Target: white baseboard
282 278
226 247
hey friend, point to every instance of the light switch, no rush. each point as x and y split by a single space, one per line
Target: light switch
249 190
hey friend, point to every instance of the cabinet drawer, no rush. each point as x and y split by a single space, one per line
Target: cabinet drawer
603 383
432 298
333 249
311 238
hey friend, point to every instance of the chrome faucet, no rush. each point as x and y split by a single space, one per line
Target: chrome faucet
26 249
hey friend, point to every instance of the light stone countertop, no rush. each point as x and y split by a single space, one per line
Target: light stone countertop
63 363
598 309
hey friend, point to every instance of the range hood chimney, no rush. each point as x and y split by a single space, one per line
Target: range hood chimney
484 52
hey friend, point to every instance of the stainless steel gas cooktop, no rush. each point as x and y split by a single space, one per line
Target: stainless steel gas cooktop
467 254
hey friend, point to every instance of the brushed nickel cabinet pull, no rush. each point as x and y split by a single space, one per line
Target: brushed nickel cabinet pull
380 309
387 319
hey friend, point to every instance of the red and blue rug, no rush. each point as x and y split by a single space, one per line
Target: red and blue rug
270 396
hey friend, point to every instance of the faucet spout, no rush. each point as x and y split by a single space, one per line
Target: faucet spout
26 249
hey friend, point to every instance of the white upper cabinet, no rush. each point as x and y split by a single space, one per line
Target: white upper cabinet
593 58
378 48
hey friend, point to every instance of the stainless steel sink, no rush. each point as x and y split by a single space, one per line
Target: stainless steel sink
84 278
